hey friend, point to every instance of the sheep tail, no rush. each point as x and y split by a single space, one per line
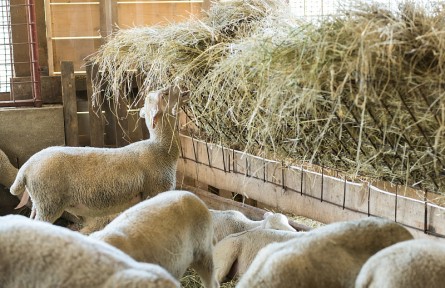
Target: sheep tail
18 187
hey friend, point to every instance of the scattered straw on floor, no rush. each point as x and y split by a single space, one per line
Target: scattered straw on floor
192 280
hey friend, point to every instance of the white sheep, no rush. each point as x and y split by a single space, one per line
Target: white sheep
38 254
7 171
234 254
173 229
226 222
415 263
329 256
92 182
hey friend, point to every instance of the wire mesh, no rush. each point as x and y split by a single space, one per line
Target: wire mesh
5 46
19 53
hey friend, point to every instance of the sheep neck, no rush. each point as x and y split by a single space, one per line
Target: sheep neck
166 134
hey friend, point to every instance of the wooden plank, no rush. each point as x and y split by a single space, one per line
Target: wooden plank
74 49
69 104
356 201
130 15
108 17
74 20
95 112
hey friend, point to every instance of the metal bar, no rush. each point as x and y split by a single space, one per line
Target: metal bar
395 206
301 180
322 184
34 49
344 194
425 222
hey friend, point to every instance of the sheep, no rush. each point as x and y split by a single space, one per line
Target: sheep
329 256
410 264
8 172
173 229
234 254
231 221
94 182
38 254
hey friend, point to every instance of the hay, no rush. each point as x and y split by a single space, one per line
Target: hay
362 92
192 280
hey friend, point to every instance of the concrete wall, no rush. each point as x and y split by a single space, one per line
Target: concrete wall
25 131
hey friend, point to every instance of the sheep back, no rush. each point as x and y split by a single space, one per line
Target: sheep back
173 229
38 254
415 263
329 256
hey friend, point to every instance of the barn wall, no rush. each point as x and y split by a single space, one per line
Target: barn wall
25 131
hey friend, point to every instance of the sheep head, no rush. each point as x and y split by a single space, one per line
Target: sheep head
163 101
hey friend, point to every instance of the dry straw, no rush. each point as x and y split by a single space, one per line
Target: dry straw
361 92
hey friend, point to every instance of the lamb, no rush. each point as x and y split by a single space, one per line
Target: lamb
329 256
7 171
94 182
234 254
173 229
38 254
410 264
231 221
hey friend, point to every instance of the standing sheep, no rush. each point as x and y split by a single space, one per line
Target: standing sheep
92 182
231 221
330 256
234 254
415 263
173 229
37 254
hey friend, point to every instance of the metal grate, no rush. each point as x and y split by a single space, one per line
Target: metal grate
19 54
5 46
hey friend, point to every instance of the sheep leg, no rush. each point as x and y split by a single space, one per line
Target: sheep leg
225 255
47 214
205 269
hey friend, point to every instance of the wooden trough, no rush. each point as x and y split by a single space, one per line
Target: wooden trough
303 192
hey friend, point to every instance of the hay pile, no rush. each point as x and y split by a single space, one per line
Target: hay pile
361 92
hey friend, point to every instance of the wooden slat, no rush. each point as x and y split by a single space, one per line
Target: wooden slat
69 104
130 15
74 49
75 20
108 17
95 112
49 35
360 199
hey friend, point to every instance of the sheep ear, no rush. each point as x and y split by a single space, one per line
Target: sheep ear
155 107
267 214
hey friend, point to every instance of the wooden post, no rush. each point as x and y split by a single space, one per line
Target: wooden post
108 17
69 104
95 113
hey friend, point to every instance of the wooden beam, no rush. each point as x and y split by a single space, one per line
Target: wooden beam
69 104
108 18
95 112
